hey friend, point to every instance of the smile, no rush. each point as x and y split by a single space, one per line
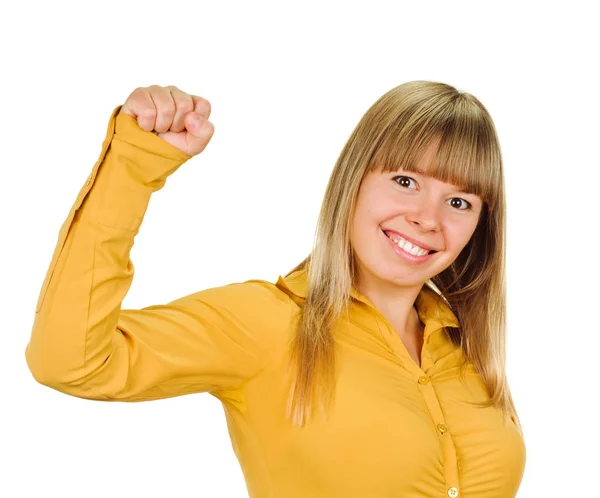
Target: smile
407 251
407 246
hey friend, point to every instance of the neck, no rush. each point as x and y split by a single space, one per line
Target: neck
396 303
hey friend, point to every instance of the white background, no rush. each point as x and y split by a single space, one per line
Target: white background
287 83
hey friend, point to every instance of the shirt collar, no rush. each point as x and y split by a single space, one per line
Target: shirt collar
433 310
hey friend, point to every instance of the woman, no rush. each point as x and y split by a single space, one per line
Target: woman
375 368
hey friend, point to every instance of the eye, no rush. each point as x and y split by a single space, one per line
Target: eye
469 205
404 181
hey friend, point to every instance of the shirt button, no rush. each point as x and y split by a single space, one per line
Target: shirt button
423 379
453 492
442 428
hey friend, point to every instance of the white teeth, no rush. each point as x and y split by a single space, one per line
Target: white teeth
407 246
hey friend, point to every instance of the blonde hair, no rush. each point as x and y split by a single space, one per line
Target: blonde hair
394 133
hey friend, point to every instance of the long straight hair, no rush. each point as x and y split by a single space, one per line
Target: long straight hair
394 133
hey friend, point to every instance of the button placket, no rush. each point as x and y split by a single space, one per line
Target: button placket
422 375
451 469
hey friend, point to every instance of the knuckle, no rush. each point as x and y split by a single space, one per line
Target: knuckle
183 100
185 105
204 105
134 95
155 90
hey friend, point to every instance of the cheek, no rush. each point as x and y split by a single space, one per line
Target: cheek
382 208
368 213
458 236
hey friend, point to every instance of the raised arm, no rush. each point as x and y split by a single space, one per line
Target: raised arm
82 342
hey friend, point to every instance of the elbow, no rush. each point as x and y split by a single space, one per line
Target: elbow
51 372
35 365
44 370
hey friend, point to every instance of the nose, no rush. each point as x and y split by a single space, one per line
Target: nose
425 216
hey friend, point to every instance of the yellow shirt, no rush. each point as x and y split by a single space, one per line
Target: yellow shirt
396 429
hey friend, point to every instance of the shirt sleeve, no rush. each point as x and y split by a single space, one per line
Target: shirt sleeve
83 344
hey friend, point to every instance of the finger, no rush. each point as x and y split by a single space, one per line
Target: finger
201 106
165 108
183 105
140 106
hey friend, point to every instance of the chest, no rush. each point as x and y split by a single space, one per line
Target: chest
389 435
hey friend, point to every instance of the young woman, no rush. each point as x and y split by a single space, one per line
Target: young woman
375 368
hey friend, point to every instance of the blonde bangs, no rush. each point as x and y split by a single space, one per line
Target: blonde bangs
467 145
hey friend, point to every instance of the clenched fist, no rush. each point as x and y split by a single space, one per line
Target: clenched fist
177 117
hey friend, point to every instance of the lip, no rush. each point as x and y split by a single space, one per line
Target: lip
404 255
411 240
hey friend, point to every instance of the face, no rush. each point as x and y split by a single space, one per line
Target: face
430 213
